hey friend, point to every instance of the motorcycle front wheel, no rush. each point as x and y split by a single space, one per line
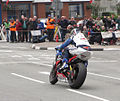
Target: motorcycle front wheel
79 76
53 76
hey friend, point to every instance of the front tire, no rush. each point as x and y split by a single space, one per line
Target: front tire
53 76
80 72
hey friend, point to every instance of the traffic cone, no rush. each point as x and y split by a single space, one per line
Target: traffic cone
57 38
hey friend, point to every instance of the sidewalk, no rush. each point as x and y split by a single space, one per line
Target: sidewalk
52 45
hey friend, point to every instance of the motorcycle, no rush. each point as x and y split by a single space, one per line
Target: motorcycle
76 72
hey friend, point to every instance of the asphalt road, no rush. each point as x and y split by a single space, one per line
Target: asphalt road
24 76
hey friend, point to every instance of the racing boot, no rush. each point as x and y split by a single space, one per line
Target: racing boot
64 67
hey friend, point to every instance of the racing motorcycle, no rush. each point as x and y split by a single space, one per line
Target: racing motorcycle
76 72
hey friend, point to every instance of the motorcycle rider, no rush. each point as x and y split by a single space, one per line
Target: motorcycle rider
77 40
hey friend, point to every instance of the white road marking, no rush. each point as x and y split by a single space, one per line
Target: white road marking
28 55
46 73
18 62
33 58
16 56
6 51
88 95
27 78
13 47
104 61
110 77
41 64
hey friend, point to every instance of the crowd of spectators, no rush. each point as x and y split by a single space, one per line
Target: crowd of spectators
19 30
91 27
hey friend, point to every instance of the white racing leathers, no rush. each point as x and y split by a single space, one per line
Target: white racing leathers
80 40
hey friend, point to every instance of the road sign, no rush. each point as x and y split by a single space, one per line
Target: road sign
57 4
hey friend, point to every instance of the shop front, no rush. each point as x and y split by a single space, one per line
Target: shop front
16 8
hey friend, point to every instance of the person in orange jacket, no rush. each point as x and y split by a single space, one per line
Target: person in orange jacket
50 23
13 30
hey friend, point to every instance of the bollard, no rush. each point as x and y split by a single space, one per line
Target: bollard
57 38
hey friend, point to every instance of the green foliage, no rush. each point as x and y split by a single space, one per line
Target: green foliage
6 7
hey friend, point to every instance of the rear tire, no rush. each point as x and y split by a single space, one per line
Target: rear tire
53 77
79 76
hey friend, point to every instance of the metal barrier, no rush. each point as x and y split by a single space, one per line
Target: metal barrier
2 34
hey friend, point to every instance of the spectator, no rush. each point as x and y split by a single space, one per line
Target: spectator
13 30
85 31
24 28
40 25
98 36
63 23
118 22
103 29
92 35
85 21
6 23
35 23
50 28
30 27
105 22
18 29
109 23
72 22
90 23
99 22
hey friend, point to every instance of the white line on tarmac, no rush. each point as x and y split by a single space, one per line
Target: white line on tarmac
41 64
105 76
28 55
110 77
5 51
16 56
27 78
46 73
88 95
33 58
18 62
104 61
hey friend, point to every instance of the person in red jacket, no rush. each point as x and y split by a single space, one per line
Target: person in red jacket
18 29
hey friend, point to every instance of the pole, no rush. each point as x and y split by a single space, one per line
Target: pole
56 10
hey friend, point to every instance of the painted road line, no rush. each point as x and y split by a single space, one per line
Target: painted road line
46 73
88 95
105 76
41 64
32 58
16 56
111 49
104 61
18 62
6 51
27 78
28 55
110 77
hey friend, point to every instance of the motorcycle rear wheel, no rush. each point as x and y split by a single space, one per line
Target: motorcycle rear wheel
53 77
80 72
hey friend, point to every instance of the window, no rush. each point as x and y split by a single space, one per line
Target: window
17 10
76 10
48 6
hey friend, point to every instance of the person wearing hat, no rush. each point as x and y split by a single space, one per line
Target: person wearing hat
50 27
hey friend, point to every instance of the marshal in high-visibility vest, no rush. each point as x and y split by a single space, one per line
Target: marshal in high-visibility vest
13 26
50 24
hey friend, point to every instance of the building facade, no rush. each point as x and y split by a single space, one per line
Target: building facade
107 6
41 8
